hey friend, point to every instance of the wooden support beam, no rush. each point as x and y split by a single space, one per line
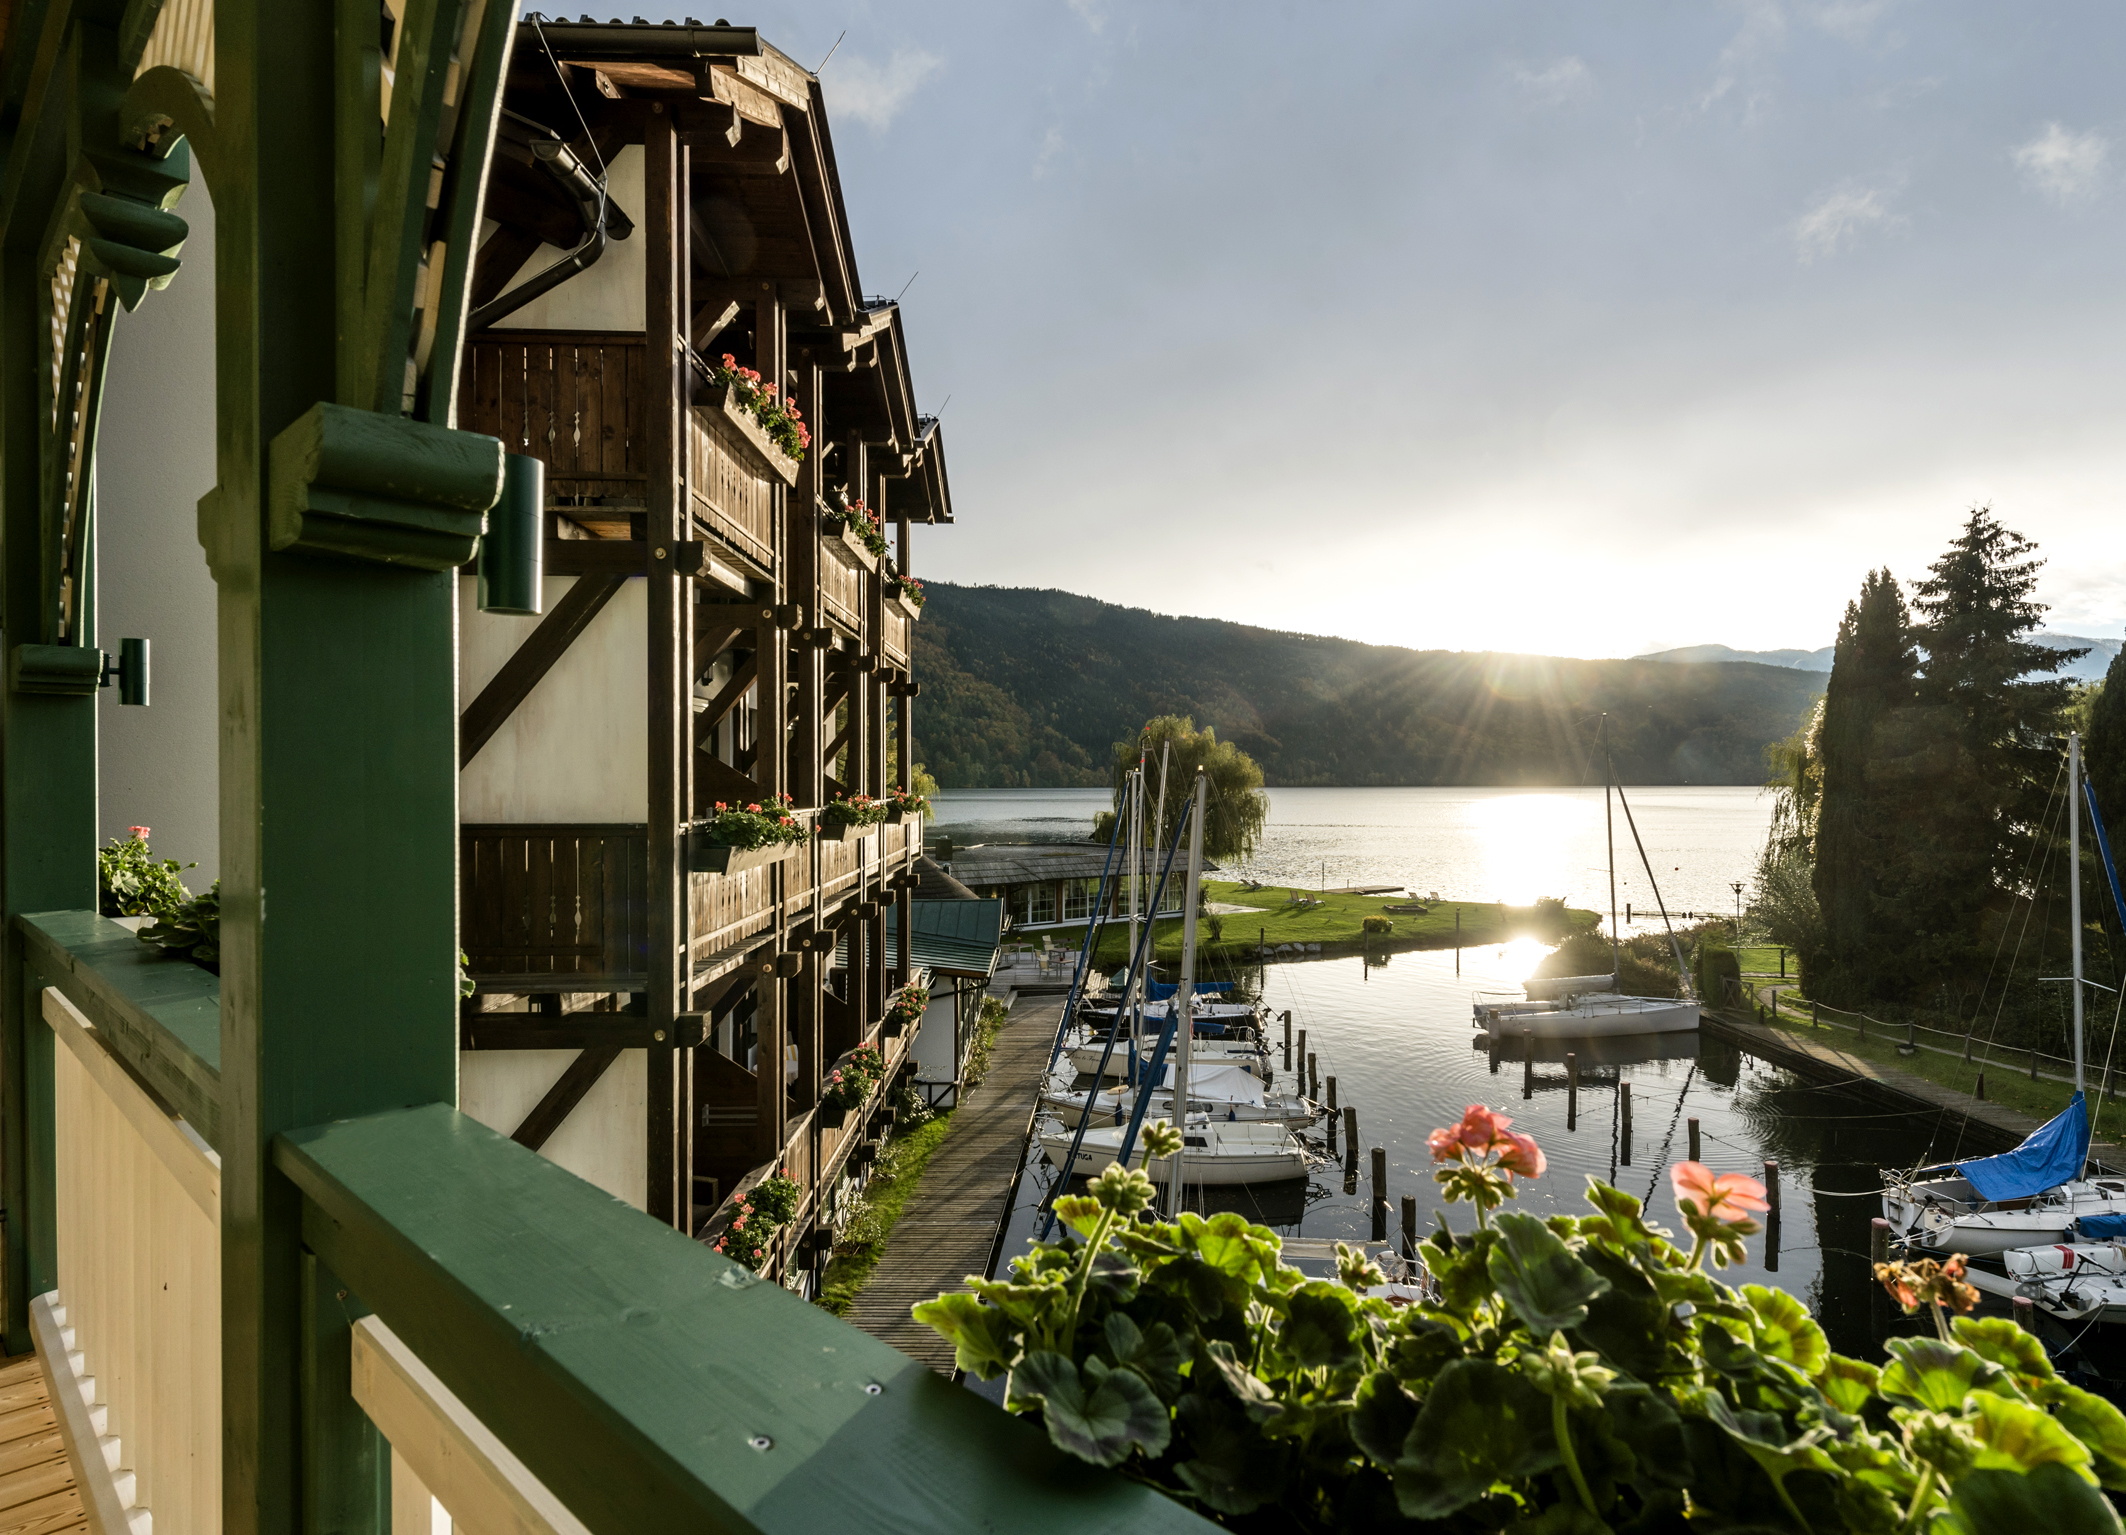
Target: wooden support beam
531 662
841 738
561 1099
501 257
716 780
575 1031
597 556
723 703
712 637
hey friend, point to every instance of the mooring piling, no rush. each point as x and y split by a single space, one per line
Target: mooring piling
1694 1141
1288 1039
1380 1194
1409 1225
1624 1119
1572 1091
1528 1063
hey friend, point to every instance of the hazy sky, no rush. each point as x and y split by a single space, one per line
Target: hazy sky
1567 328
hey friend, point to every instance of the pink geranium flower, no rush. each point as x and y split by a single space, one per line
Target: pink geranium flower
139 831
1718 1196
1525 1156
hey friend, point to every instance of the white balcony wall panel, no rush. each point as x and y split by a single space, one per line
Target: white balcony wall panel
577 749
612 294
140 1275
602 1142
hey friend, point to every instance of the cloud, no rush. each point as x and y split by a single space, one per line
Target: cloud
1557 82
1838 218
1761 34
2063 165
875 93
1052 144
1853 21
1092 12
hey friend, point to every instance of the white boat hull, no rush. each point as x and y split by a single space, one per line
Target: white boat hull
1945 1215
1231 1154
1211 1052
1286 1109
1590 1018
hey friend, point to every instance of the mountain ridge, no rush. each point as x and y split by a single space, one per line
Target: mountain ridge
1027 687
2089 668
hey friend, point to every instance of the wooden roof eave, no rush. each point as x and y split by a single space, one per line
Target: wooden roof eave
925 481
812 145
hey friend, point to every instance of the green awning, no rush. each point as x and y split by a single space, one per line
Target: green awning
952 937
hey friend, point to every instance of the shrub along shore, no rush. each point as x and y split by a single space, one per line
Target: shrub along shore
1336 923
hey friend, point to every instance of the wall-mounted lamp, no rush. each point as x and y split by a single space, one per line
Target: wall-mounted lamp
131 670
513 551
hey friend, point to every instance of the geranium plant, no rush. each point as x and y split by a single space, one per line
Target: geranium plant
912 590
780 418
133 882
760 1212
908 802
761 823
190 930
1568 1375
851 1081
869 528
853 810
906 1006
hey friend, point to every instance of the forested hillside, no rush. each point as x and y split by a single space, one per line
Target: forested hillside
1031 688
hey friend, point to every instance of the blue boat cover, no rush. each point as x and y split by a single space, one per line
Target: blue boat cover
2100 1228
2052 1154
1159 991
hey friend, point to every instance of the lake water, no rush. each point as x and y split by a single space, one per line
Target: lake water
1396 1033
1509 845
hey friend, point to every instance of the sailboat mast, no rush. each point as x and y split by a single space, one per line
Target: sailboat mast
1185 998
2074 885
1609 835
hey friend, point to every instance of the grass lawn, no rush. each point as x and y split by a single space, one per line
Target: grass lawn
900 1169
2007 1078
1333 921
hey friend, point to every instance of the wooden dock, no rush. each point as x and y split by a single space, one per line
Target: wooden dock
948 1228
1818 1058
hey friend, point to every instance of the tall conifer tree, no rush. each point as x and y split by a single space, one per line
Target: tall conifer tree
2106 748
1858 848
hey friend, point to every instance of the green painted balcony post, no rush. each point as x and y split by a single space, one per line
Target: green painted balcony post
47 742
337 674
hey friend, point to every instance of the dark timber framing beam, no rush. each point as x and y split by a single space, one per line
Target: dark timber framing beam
561 1099
531 661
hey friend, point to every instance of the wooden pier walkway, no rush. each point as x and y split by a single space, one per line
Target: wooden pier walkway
1991 1126
948 1228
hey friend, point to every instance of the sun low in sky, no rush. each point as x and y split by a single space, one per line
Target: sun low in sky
1578 329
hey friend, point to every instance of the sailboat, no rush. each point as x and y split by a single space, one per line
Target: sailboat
1593 1006
1215 1091
1214 1150
2038 1193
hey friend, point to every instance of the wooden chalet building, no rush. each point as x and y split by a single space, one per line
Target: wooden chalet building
715 628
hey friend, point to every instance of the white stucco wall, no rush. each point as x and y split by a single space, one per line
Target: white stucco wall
604 1141
577 749
612 294
158 766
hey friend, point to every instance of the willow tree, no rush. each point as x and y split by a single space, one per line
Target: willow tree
1236 809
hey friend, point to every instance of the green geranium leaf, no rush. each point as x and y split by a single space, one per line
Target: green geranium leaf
985 1341
1319 1327
1031 1306
1154 1353
1250 1391
1097 1414
2094 1421
1479 1422
1648 1425
1209 1292
1925 1372
1999 1340
2050 1498
1623 1217
1382 1417
1460 1270
1547 1286
1562 1519
1420 1347
1848 1383
1627 1324
2015 1436
1232 1466
1114 1279
1786 1331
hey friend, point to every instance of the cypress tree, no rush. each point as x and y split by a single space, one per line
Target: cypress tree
1858 849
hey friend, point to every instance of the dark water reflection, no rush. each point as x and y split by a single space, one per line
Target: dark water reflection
1397 1037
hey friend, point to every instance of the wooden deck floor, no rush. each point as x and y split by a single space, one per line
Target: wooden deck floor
38 1495
949 1224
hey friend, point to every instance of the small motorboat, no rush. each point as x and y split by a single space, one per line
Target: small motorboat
2077 1280
1217 1092
1213 1152
1245 1053
2033 1196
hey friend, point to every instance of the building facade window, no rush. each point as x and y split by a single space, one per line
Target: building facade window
1040 903
1078 898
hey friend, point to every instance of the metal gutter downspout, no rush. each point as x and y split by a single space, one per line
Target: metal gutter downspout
558 161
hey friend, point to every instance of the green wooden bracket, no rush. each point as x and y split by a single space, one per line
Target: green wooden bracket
134 236
67 671
380 487
165 104
650 1383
